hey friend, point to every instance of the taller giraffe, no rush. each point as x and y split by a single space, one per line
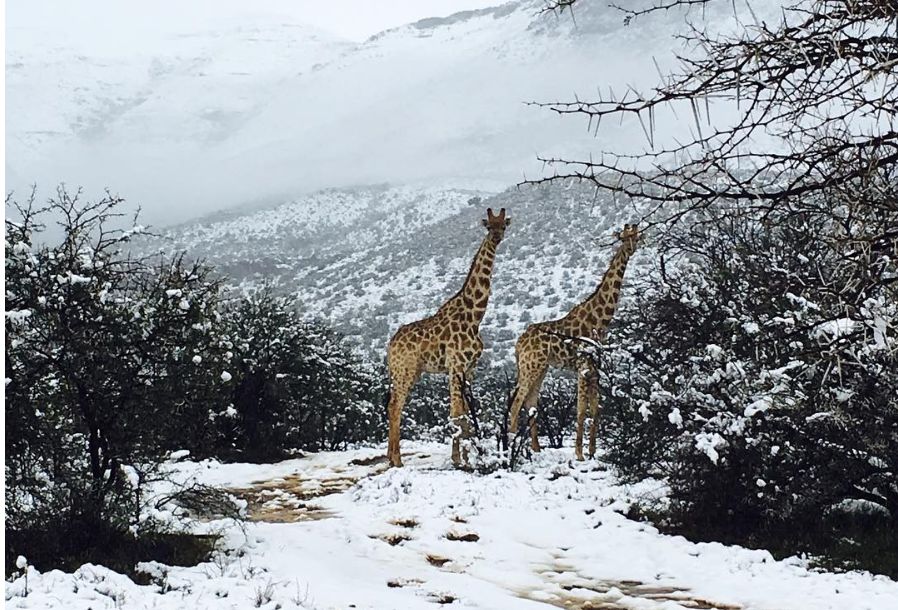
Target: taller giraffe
446 342
552 343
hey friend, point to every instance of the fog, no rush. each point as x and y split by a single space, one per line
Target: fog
186 109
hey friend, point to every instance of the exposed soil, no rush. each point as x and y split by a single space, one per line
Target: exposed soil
289 499
607 594
466 537
437 560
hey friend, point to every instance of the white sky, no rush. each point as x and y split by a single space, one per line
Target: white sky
122 21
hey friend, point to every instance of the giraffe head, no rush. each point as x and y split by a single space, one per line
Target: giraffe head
496 224
630 236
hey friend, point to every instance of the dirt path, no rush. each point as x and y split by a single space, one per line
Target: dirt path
609 595
292 499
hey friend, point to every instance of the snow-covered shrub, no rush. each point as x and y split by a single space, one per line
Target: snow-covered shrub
98 369
291 383
426 414
759 370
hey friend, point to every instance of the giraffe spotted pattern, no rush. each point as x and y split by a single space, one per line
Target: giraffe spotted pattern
446 342
554 344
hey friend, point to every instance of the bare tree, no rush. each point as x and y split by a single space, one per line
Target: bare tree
821 83
766 357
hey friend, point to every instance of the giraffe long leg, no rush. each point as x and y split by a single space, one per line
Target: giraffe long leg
532 404
582 401
458 413
526 389
402 380
593 395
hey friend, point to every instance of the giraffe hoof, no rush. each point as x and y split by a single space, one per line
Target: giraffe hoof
396 462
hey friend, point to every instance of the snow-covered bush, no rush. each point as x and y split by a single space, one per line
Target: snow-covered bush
757 367
291 383
98 369
115 362
426 414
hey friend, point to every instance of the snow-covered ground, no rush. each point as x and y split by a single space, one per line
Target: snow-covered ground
342 531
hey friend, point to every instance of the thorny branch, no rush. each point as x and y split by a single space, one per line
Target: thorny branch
816 95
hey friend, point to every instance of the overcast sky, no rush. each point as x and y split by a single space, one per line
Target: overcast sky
123 21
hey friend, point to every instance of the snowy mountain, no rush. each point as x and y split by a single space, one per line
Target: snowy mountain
370 259
270 109
85 114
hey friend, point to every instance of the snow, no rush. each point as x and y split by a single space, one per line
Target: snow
835 328
251 109
714 351
132 475
675 417
72 278
225 376
21 562
645 412
18 315
550 535
758 406
708 443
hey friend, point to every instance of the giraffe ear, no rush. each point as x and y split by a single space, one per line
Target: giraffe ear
485 222
508 221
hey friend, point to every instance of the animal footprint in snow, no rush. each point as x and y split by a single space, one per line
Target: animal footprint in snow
441 598
398 583
437 560
391 539
437 597
462 537
406 523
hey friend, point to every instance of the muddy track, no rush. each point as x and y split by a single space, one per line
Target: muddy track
291 499
588 594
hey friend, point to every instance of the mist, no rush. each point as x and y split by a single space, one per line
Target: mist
251 108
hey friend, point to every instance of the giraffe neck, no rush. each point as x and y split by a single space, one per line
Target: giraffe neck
476 291
594 314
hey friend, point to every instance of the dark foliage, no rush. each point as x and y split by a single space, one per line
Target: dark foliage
96 366
114 360
294 384
757 366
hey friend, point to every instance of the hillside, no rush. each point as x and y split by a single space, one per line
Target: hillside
370 259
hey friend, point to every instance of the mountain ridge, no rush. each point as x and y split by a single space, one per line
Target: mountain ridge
220 118
367 260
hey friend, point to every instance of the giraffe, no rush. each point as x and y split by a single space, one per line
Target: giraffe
546 344
446 342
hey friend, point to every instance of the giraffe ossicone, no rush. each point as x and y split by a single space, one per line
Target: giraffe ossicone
446 342
559 344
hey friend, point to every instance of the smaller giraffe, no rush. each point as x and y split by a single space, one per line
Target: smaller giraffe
554 344
446 342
